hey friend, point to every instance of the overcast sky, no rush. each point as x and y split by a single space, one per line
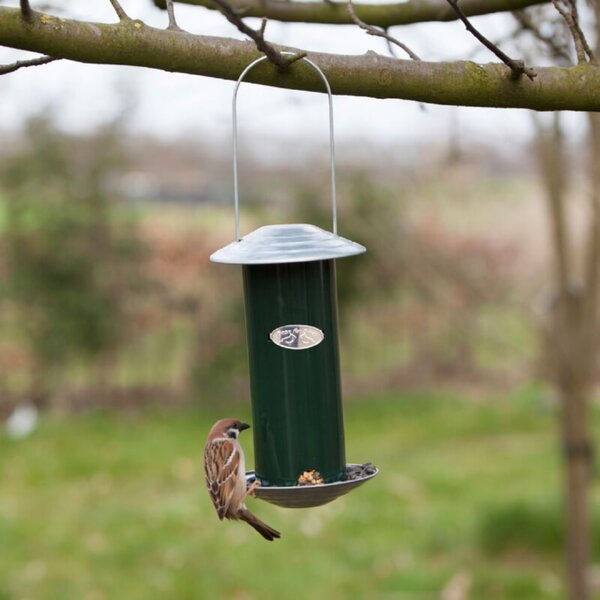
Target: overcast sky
168 104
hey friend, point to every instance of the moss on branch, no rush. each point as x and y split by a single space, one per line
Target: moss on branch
453 83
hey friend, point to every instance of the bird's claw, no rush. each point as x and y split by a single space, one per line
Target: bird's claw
253 487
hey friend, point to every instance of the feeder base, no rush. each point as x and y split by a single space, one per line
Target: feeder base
307 496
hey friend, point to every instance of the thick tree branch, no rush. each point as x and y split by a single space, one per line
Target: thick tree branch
381 15
371 30
453 83
20 64
517 66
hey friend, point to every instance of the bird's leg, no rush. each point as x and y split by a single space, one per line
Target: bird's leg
251 491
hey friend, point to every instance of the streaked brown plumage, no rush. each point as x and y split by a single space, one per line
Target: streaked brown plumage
225 471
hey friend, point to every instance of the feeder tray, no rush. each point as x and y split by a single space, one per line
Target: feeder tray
308 496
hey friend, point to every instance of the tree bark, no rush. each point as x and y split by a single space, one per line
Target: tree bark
570 346
578 454
573 368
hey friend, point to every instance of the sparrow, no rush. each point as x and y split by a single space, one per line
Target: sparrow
225 471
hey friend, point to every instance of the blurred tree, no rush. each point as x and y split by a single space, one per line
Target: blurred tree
67 249
571 320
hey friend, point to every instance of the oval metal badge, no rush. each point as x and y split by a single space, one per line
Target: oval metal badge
297 337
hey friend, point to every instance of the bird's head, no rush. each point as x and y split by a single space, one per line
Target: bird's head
229 428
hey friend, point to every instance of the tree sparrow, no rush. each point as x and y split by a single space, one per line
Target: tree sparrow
226 475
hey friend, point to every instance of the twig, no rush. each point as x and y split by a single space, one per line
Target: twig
568 11
497 42
257 35
26 11
263 26
119 10
527 24
20 64
172 21
517 66
372 30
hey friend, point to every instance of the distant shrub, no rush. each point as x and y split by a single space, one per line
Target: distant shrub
69 256
521 525
219 364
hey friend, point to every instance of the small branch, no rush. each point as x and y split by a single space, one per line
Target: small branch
172 21
517 66
371 30
20 64
26 11
257 36
119 10
513 35
568 11
263 26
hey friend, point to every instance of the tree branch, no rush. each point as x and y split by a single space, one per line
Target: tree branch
119 10
20 64
380 33
380 15
172 20
257 35
517 66
454 83
568 11
26 11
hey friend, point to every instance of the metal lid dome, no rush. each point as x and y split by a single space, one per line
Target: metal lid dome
273 244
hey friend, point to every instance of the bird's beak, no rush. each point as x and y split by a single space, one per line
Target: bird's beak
243 426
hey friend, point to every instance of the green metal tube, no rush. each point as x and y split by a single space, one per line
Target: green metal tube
296 393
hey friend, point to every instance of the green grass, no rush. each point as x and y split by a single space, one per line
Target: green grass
113 506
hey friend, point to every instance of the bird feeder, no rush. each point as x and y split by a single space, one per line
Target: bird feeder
292 328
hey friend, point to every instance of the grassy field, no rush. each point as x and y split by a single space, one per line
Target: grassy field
113 506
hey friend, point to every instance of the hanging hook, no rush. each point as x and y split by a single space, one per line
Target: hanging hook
236 197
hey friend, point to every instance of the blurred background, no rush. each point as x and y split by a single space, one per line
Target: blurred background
121 344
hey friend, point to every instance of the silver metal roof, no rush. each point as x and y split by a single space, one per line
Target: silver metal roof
273 244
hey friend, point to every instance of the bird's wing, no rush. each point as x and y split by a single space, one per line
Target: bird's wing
221 461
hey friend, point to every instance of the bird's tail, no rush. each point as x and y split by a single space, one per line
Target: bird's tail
267 532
